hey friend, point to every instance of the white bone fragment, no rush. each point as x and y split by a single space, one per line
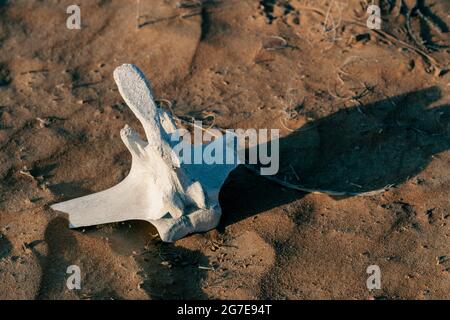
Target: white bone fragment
177 198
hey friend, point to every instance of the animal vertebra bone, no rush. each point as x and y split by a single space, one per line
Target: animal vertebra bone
177 198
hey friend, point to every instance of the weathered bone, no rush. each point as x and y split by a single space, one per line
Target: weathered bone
177 198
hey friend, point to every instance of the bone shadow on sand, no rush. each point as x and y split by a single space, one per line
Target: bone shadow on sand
356 149
174 273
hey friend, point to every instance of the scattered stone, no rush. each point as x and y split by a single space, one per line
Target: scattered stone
441 260
166 264
439 72
43 122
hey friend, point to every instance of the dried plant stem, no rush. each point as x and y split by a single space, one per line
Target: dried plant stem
383 34
319 191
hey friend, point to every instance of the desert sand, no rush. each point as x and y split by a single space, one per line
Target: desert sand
359 110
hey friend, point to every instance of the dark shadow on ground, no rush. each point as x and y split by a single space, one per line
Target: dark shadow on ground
356 149
176 274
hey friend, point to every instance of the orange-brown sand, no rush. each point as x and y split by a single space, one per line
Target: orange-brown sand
357 112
